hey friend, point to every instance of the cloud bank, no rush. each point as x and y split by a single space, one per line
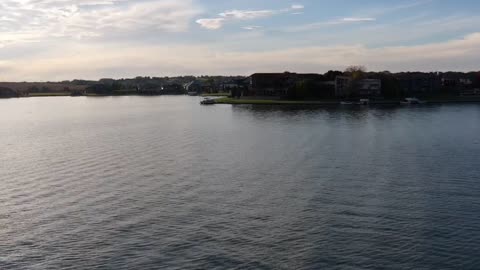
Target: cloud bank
93 62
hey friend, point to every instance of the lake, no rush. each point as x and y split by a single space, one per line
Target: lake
164 183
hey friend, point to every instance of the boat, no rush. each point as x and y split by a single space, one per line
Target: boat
412 101
361 102
364 101
207 101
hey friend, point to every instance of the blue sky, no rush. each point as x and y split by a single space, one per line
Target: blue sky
65 39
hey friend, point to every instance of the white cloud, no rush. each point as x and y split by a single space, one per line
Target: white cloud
211 24
32 20
358 20
297 6
317 25
96 61
235 14
247 14
251 27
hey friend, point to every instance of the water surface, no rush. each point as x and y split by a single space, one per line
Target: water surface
164 183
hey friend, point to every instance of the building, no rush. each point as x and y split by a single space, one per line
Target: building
172 89
345 87
235 87
418 83
470 93
232 85
342 84
369 87
270 84
282 84
194 87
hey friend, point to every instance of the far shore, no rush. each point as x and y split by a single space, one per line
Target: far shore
223 98
246 101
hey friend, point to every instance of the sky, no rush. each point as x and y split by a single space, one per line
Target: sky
53 40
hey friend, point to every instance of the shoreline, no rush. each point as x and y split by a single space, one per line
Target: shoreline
222 99
233 101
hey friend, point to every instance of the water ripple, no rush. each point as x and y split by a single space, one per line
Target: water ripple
162 183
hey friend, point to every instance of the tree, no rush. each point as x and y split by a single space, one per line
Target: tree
332 74
356 72
33 89
211 85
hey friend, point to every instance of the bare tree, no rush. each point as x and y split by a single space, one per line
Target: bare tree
356 72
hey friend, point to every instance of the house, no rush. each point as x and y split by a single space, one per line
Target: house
235 84
342 84
230 85
270 84
418 83
172 89
470 92
195 87
345 87
369 87
236 87
450 82
279 84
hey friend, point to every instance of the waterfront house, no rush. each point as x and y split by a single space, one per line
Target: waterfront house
470 92
269 84
235 87
369 87
418 83
345 87
342 85
195 87
282 85
172 89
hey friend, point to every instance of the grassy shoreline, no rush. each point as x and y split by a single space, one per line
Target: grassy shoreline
336 102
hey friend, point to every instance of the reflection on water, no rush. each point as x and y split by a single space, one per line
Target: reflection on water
161 182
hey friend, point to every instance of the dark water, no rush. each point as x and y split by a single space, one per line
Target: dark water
163 183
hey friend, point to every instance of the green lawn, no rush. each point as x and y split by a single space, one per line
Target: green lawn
335 102
274 102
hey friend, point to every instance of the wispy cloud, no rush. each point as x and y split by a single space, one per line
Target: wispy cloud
251 27
231 15
247 14
372 14
33 20
211 24
352 20
341 21
397 7
297 7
